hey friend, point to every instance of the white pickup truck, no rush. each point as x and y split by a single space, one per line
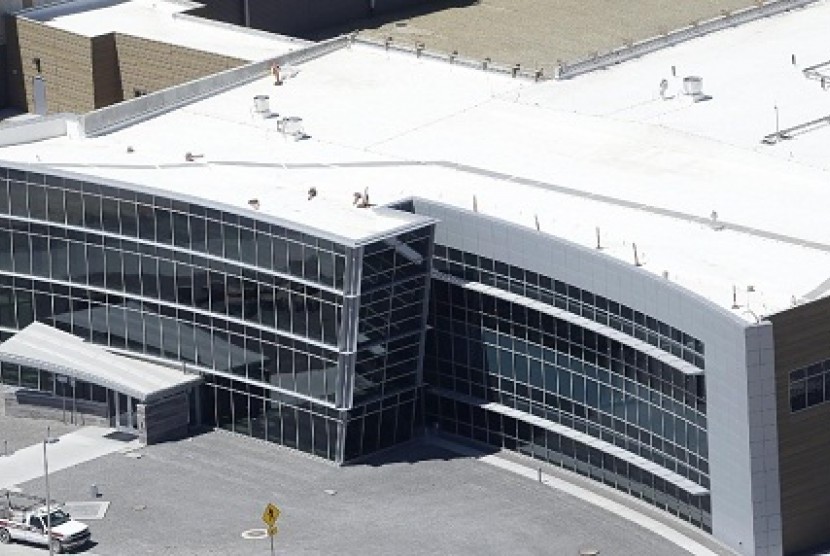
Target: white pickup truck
31 526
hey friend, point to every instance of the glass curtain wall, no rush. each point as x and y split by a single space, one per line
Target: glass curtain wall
488 349
389 345
257 304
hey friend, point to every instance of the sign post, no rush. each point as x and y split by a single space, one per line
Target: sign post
270 516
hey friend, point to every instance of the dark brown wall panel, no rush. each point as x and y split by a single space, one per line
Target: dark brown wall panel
802 337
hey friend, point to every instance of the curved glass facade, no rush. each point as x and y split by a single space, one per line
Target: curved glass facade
255 305
321 344
495 362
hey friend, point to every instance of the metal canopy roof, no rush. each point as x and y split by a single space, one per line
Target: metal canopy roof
44 347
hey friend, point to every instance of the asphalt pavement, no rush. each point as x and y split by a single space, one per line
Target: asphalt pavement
206 496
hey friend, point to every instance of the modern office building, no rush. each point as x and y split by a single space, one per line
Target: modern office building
388 245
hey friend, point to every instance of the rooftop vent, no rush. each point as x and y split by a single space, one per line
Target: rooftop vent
254 204
262 105
361 200
693 85
293 126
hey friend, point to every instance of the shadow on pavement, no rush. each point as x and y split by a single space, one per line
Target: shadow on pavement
423 449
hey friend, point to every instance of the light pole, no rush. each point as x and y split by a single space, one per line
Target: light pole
48 440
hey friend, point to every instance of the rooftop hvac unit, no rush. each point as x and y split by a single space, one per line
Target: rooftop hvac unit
262 105
693 85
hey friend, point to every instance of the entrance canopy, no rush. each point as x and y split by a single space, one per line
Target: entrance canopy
47 348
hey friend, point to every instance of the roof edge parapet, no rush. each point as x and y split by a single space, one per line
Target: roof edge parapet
130 112
566 70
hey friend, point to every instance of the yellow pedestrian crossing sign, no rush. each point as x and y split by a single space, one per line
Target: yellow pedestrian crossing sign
270 515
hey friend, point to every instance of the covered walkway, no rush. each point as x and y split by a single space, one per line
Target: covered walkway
129 394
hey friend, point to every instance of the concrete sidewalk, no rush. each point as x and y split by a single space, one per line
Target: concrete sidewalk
71 449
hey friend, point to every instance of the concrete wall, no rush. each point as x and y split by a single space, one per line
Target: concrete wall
738 469
163 420
802 337
763 438
34 129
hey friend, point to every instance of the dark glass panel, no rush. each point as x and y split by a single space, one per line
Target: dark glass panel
37 202
40 256
25 308
96 268
109 215
164 226
6 260
55 207
132 273
198 231
128 217
231 242
146 223
181 230
247 246
149 276
214 238
113 270
17 193
167 285
4 196
92 211
22 253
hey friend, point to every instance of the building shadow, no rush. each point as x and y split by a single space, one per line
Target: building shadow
428 447
379 19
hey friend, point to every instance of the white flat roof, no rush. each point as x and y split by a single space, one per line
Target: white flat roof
163 21
601 151
42 346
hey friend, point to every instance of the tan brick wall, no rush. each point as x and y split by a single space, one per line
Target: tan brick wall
83 73
152 66
66 66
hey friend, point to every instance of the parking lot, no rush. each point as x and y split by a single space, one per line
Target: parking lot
199 496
